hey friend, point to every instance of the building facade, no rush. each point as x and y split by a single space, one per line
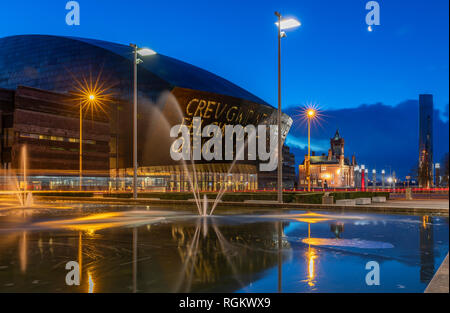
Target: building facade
330 171
170 92
47 124
269 180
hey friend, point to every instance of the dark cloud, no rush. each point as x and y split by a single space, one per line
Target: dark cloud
379 135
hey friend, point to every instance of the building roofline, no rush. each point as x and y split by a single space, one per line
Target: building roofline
238 92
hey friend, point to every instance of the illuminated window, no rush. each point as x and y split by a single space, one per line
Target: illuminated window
55 138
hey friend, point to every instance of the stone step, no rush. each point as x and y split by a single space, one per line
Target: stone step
327 200
202 200
363 201
378 199
260 201
350 202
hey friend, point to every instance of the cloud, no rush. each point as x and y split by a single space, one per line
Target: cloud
380 136
302 143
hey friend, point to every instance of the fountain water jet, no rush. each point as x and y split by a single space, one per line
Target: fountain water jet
192 255
171 100
205 205
27 197
24 197
168 112
222 189
168 100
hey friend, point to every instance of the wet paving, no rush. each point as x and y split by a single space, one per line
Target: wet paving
155 249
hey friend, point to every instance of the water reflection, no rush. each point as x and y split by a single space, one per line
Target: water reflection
208 253
280 261
426 249
155 251
135 239
91 283
311 256
23 252
337 229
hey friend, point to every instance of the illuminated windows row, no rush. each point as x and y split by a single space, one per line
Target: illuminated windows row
56 138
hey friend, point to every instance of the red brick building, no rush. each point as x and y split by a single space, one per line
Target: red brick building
330 171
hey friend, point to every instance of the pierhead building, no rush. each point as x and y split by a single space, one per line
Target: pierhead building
333 170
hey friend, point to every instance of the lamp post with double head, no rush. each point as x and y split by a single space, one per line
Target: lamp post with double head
282 24
374 179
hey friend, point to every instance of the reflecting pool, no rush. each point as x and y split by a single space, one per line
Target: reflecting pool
155 249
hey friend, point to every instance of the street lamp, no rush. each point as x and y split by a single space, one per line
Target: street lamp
136 61
311 113
90 98
390 181
282 24
92 95
374 179
363 179
437 168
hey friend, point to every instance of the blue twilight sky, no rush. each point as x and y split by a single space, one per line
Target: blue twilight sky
331 60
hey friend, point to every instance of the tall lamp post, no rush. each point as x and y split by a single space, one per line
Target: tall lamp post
91 98
282 24
356 176
80 163
437 175
374 179
136 61
310 115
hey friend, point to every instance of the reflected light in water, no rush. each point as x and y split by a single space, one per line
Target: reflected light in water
196 265
80 253
311 254
352 243
310 220
95 222
425 221
91 283
23 252
311 217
